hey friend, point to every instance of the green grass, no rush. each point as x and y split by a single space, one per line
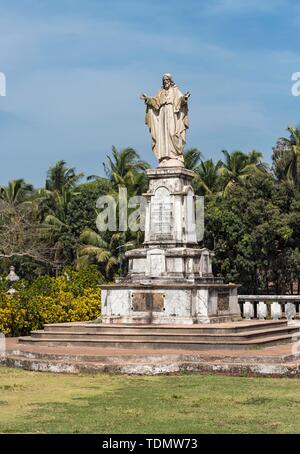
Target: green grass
34 402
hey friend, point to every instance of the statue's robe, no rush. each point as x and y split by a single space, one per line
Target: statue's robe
167 119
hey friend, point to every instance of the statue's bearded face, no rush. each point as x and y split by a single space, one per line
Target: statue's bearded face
166 82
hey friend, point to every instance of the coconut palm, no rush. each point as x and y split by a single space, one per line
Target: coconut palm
208 176
192 158
57 227
108 253
59 188
281 156
124 166
60 177
255 157
293 163
57 215
16 192
238 167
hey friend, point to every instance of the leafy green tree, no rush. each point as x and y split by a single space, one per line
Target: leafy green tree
81 212
293 267
251 232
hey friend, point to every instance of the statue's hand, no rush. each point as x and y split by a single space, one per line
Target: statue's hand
187 95
143 97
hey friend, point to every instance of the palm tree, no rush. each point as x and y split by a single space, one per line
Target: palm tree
292 167
255 157
238 167
57 193
281 156
60 177
57 216
57 227
192 158
17 192
124 166
109 254
208 176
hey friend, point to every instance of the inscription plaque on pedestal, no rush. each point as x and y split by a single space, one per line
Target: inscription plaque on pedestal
223 301
147 302
161 220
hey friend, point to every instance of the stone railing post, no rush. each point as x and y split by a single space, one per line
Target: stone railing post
276 310
262 310
248 310
290 311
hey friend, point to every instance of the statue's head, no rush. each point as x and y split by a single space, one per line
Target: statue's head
167 81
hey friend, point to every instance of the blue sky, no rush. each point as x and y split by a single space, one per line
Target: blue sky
75 70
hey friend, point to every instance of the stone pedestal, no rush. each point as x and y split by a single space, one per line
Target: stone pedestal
169 303
170 279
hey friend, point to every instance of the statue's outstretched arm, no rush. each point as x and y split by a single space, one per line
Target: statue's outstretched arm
150 101
185 97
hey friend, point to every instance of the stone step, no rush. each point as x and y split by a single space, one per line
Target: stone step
161 336
165 329
118 356
158 344
53 365
151 368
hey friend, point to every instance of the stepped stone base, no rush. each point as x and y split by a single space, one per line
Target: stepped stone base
230 336
64 348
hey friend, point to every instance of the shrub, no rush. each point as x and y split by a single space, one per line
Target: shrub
72 296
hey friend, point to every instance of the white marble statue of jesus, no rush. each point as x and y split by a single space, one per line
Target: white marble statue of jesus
167 119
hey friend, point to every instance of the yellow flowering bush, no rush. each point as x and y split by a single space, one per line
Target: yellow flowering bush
73 296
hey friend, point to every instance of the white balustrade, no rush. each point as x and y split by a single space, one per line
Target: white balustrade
274 306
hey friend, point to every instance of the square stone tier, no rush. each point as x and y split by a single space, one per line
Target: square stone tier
165 304
170 218
169 264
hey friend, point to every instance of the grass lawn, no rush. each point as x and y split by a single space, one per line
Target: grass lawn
38 402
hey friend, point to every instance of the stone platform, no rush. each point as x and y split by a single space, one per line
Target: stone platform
231 336
254 347
68 354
